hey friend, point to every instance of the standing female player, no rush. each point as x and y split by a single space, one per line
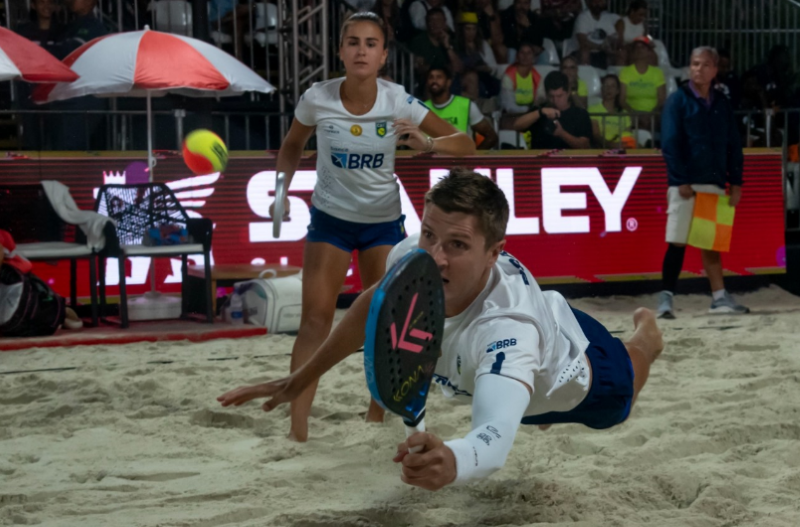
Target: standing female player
359 121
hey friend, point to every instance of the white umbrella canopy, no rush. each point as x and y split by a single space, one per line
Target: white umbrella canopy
146 63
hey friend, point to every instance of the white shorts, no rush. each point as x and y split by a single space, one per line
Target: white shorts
680 211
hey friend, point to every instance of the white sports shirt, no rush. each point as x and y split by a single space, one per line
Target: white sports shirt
355 153
512 330
597 31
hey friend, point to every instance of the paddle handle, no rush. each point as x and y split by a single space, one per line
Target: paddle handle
279 209
410 430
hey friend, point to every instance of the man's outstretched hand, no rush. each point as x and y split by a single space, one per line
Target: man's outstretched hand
432 468
281 391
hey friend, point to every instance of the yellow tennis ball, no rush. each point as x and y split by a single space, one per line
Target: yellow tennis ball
204 152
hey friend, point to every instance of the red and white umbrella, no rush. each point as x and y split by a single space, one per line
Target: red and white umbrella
22 59
146 63
139 63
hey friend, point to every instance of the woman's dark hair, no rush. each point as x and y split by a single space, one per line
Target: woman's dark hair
617 103
364 16
461 44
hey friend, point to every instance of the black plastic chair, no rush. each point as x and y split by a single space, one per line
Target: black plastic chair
138 207
41 235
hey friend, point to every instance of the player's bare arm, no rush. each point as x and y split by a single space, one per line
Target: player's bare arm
345 339
443 137
290 153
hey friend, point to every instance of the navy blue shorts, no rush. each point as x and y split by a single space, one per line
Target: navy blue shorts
608 402
350 236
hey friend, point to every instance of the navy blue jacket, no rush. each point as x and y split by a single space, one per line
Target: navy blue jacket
701 145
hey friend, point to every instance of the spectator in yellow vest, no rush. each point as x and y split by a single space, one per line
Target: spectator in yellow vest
520 82
613 127
459 111
578 91
644 88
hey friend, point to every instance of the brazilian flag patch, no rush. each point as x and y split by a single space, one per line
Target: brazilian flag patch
380 128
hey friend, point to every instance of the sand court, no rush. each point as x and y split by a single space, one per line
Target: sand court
133 436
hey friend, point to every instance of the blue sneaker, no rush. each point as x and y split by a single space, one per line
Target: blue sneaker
727 305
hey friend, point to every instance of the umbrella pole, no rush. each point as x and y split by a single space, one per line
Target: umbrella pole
150 160
150 165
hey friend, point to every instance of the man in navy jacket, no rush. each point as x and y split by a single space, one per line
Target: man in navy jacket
703 152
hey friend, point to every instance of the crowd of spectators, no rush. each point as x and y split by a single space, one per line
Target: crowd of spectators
499 54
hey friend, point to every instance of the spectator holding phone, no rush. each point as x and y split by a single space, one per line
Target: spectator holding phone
559 124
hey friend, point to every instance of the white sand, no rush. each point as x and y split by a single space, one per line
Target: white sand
714 440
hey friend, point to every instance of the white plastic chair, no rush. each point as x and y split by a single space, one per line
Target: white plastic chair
643 137
216 33
550 52
511 137
591 77
569 46
663 55
672 85
267 20
220 38
172 16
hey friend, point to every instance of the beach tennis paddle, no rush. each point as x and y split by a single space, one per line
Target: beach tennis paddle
280 200
404 335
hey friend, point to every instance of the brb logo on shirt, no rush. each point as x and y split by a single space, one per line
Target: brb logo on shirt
353 161
500 344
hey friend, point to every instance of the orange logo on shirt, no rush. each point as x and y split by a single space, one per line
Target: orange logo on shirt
355 130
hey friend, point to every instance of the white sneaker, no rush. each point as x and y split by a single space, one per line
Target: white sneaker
665 306
728 305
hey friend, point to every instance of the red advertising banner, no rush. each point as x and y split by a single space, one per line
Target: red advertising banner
587 218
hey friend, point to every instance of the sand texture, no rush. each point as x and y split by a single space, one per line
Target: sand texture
133 436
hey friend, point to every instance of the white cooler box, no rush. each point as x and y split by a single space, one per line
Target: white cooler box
275 303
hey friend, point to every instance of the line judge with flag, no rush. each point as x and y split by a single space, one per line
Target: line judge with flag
703 153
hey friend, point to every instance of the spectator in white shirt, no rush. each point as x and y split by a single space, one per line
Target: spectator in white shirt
596 33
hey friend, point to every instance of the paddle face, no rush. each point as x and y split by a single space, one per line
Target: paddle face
404 335
279 209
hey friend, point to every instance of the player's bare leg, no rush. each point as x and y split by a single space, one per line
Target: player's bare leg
324 270
372 267
644 346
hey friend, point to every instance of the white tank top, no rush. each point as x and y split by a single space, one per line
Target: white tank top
631 30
